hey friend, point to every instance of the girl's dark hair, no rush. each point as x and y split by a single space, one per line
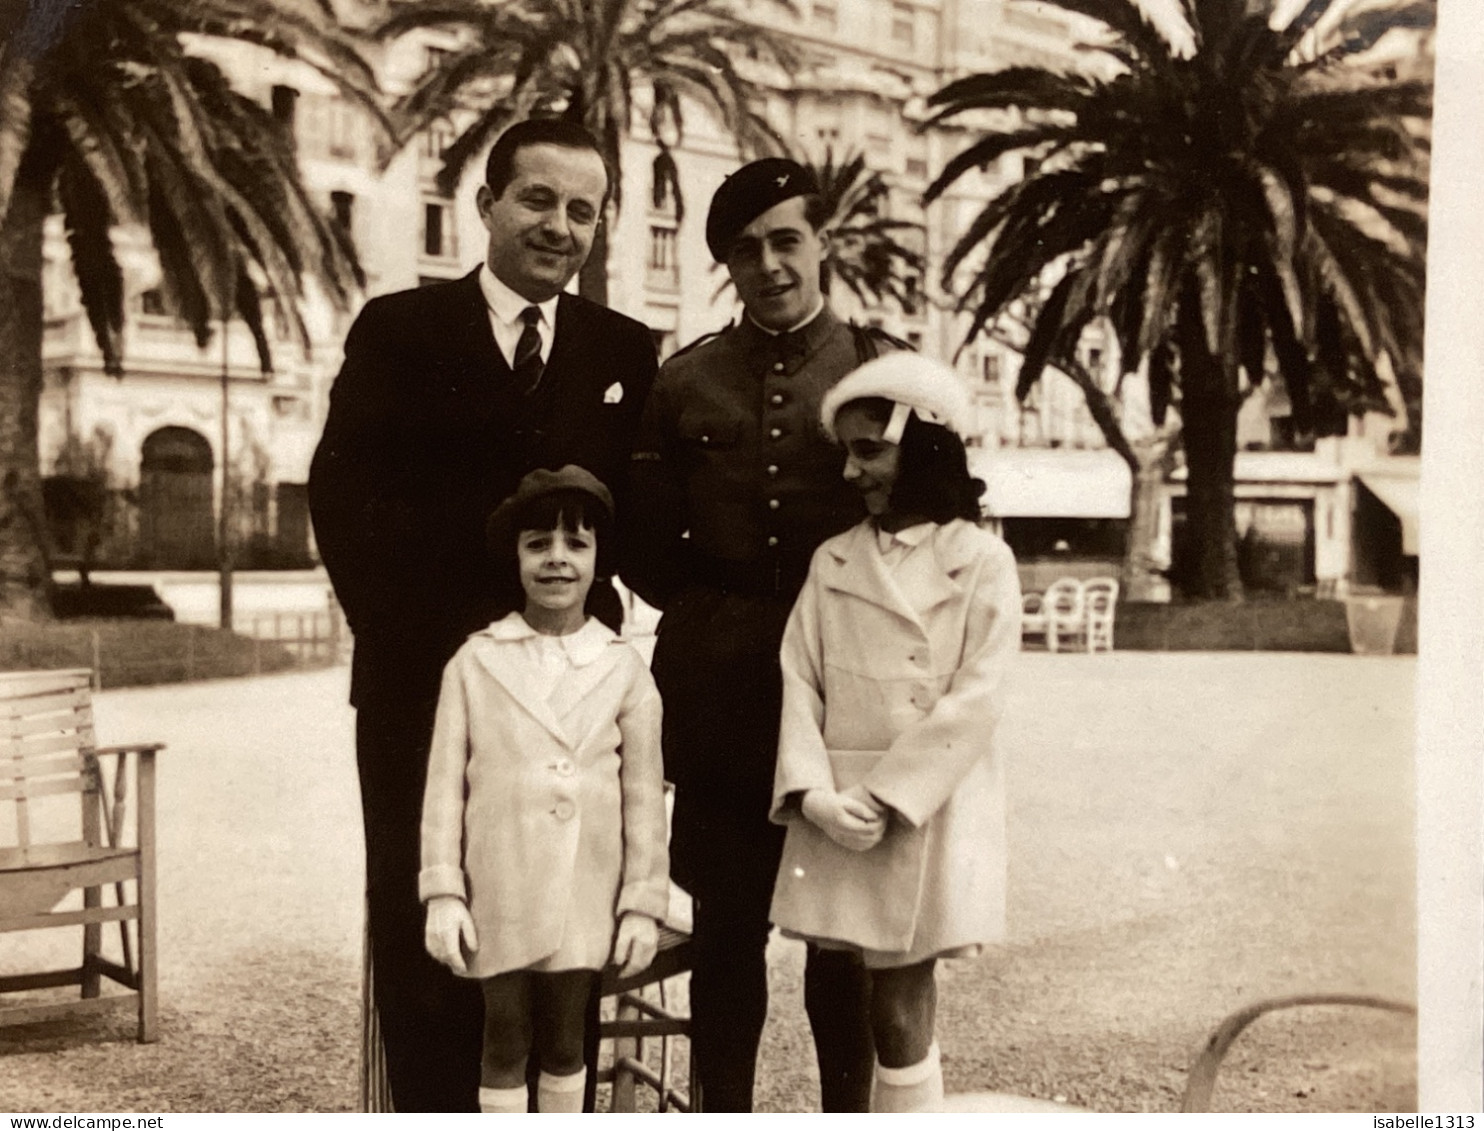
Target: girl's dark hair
572 510
933 479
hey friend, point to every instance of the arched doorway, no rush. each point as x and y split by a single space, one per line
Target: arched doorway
176 522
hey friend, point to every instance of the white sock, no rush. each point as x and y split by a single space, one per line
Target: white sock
503 1101
917 1087
560 1093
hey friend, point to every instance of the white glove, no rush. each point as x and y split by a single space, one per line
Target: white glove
449 924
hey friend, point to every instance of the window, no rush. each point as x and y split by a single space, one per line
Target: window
435 58
911 295
285 100
992 370
914 339
917 168
438 233
342 210
903 25
341 123
152 302
663 269
824 16
437 138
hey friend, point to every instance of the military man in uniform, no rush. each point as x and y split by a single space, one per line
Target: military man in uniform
734 485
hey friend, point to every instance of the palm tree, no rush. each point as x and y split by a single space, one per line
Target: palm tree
584 60
1257 194
105 116
865 253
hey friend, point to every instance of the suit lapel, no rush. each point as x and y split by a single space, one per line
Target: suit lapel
470 318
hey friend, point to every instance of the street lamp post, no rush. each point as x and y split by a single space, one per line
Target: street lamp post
224 527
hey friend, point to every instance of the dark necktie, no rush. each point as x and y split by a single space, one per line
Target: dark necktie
528 366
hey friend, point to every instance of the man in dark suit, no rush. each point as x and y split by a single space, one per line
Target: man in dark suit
448 395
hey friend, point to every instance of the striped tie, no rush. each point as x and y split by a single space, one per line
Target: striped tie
528 366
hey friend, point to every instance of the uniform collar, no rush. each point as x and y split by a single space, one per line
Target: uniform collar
812 333
810 317
506 305
582 647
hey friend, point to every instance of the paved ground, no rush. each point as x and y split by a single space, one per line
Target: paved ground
1188 832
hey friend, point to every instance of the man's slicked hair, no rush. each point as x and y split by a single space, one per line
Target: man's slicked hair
499 167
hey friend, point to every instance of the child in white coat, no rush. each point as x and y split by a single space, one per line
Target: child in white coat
544 814
894 659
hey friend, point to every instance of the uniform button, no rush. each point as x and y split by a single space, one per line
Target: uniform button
772 539
564 810
778 367
773 504
772 469
564 767
775 432
777 398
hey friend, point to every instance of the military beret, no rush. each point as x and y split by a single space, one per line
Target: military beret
748 193
536 484
912 382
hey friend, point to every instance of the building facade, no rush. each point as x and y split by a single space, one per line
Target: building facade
158 436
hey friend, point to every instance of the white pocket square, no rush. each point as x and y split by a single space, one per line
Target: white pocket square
613 394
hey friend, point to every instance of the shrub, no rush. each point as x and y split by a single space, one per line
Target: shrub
1302 625
135 652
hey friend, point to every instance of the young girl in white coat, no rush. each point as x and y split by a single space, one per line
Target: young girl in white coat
544 814
894 661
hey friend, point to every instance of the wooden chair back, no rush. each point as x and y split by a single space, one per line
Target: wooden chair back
62 830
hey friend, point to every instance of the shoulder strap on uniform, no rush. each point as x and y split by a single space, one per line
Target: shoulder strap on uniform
873 341
702 340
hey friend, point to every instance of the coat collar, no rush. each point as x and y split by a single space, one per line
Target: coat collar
852 563
585 647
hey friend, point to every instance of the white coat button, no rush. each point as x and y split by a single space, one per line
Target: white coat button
922 697
564 767
773 504
564 810
919 658
775 432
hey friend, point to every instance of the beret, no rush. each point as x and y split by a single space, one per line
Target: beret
929 388
748 193
545 482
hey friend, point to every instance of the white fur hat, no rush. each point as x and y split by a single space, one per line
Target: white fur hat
911 381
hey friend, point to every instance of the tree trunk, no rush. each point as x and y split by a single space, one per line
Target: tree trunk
1142 580
25 576
1210 440
592 280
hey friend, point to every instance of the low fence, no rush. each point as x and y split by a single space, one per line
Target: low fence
313 638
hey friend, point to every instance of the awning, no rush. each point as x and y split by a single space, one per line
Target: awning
1053 482
1399 493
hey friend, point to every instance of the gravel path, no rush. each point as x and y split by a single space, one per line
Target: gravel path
1189 832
